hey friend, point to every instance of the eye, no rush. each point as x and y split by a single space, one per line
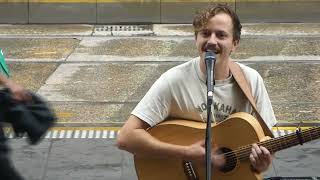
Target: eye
221 34
205 33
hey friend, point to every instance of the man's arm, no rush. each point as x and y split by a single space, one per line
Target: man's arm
134 138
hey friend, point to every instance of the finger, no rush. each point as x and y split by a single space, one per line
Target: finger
265 151
254 153
218 160
252 160
259 155
257 149
266 155
202 141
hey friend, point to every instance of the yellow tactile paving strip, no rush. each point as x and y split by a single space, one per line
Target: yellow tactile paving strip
112 132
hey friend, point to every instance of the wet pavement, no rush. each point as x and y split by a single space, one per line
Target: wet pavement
94 78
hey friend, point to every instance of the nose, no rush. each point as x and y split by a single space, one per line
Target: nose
211 43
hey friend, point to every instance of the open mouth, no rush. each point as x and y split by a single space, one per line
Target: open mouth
212 48
216 51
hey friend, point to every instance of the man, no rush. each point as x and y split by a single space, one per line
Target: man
180 93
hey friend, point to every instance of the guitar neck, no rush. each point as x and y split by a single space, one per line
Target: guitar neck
283 142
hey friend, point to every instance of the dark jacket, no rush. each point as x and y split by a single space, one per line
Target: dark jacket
33 118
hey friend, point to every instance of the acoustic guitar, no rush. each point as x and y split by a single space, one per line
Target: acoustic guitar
233 137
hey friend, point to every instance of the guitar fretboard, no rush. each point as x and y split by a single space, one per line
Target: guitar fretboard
280 143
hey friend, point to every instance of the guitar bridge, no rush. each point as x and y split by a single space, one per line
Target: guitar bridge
189 171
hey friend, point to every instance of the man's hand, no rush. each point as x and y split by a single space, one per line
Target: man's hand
260 158
19 93
196 152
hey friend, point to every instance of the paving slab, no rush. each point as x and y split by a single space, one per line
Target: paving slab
38 49
296 112
31 75
45 30
277 46
293 89
30 160
248 29
290 82
133 47
173 30
93 114
281 29
182 48
96 82
84 159
298 161
128 169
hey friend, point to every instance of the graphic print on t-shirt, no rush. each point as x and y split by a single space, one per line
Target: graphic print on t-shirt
221 111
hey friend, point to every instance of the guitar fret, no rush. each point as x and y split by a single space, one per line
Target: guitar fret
310 134
275 146
284 142
279 147
313 134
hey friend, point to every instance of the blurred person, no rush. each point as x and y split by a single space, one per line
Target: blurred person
26 112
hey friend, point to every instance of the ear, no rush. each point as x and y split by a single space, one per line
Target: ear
235 45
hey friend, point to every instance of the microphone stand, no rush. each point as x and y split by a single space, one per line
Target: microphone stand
210 60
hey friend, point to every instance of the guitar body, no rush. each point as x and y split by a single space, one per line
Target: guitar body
238 130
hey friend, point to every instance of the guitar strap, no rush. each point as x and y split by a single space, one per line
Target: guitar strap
244 86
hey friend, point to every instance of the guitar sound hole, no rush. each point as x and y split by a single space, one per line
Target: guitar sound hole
231 160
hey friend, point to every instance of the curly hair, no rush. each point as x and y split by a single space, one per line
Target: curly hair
202 18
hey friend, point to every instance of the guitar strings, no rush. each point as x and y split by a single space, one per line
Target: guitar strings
243 149
242 156
244 152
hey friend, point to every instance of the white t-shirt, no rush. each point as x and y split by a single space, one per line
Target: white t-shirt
181 93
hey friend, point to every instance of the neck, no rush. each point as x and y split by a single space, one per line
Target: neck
221 70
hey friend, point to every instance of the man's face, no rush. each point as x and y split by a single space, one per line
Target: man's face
217 36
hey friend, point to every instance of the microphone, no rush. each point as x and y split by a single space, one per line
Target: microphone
210 60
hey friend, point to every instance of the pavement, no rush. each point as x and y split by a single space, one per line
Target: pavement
94 75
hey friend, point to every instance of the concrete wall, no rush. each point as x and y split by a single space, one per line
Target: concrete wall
151 11
134 12
279 11
14 12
